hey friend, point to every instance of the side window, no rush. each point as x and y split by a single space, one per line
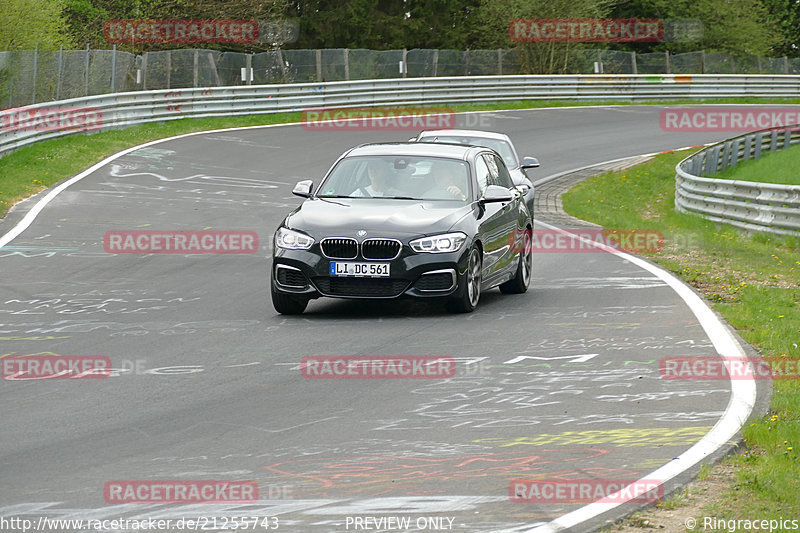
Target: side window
503 177
492 169
482 175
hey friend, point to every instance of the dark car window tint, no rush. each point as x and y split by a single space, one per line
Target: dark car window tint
503 177
482 175
409 177
492 169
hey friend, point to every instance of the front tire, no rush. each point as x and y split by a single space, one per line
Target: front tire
467 299
522 280
287 304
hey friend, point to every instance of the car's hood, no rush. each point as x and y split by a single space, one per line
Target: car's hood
378 217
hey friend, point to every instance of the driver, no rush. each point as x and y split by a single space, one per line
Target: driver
379 185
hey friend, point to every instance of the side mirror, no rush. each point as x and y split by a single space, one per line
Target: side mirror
303 188
496 193
530 162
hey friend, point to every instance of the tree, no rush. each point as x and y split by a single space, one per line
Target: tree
87 18
25 24
785 16
490 29
739 27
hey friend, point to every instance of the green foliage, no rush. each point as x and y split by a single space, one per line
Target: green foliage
784 15
493 17
740 27
25 24
86 18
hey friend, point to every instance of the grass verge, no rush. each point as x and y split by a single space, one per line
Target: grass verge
36 167
754 283
773 167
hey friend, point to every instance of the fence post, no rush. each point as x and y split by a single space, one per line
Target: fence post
214 70
435 62
499 61
195 69
248 65
466 63
35 68
759 64
169 69
60 69
785 65
144 71
702 61
634 67
666 61
405 65
113 67
346 64
86 72
319 64
283 65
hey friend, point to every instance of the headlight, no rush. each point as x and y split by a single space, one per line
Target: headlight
292 240
448 242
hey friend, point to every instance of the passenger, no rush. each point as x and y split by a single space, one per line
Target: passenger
449 183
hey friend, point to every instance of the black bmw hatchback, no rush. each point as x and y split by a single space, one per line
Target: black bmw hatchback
405 219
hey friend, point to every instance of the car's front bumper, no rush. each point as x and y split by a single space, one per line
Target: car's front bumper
421 275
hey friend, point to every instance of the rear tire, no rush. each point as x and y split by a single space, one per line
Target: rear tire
288 304
522 280
467 299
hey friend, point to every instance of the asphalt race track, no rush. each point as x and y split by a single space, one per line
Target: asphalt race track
560 383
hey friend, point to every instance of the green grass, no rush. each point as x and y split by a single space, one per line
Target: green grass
754 282
774 167
36 167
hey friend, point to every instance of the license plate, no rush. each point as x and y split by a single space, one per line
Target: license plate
364 270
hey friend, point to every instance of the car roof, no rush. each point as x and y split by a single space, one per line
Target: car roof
466 133
454 151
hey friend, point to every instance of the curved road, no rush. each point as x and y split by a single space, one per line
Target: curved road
561 382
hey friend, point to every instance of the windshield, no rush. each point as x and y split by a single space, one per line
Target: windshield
501 147
403 177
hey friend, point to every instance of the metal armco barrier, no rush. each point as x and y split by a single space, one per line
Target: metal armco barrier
124 109
753 206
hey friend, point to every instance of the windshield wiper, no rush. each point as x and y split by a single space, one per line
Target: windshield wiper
398 197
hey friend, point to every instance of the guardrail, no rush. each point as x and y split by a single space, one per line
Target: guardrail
753 206
124 109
